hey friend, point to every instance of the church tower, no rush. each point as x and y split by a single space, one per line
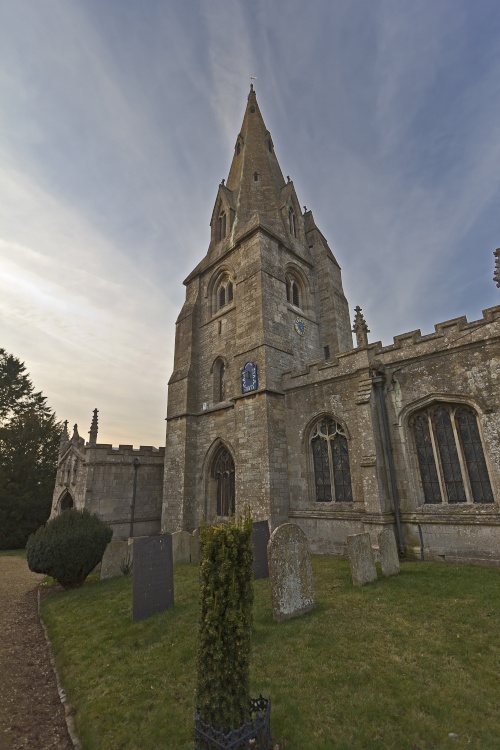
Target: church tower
267 298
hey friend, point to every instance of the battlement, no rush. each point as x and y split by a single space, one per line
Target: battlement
448 330
128 451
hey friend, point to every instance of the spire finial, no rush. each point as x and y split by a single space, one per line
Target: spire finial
93 428
64 436
496 276
252 79
360 328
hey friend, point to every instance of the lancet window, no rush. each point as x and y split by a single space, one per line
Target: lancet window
450 455
292 290
222 225
332 473
291 222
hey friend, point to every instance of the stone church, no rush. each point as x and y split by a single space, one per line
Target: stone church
271 407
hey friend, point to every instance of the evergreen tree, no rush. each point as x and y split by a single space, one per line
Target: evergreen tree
29 443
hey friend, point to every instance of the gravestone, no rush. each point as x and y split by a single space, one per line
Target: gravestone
389 558
290 572
260 539
195 546
153 584
181 547
360 553
117 556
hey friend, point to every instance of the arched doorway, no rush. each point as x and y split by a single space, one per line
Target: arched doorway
66 502
223 476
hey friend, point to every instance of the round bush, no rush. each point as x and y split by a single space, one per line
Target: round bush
68 547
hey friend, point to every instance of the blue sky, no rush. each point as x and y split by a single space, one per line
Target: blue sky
119 120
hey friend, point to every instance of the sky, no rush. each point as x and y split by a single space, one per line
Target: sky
118 121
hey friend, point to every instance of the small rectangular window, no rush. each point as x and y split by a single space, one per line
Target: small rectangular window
327 352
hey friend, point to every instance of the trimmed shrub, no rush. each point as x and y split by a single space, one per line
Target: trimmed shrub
226 599
68 547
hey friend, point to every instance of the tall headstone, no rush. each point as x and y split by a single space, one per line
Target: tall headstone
290 572
153 585
389 558
181 547
360 553
117 559
260 540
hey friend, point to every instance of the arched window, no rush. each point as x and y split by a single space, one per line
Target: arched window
223 473
332 473
219 380
292 290
450 455
291 222
222 225
225 292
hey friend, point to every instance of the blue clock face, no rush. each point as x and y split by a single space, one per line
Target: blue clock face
300 326
249 378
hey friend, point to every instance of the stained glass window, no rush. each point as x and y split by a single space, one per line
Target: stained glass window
332 473
450 455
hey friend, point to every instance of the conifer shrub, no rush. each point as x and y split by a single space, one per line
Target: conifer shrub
68 547
225 629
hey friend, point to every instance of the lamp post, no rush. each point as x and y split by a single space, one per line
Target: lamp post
135 464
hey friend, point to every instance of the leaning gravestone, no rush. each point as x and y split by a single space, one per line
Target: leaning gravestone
181 547
117 557
153 585
260 539
389 558
360 553
290 572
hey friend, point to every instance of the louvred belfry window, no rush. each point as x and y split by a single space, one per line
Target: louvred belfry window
292 291
332 473
450 455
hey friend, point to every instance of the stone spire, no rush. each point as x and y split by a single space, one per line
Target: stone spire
496 276
255 178
360 328
93 429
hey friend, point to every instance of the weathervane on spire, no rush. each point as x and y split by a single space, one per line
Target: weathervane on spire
252 79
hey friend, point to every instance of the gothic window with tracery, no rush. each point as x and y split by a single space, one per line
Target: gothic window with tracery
450 455
332 473
224 293
223 473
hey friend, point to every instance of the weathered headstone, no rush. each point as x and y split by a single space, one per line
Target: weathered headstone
117 557
195 546
153 586
360 553
260 539
290 572
389 558
181 547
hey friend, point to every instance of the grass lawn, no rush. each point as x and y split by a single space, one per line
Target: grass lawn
411 662
11 552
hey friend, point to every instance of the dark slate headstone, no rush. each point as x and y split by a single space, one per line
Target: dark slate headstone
153 585
260 538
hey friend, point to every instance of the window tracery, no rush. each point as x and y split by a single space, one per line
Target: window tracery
332 473
450 455
224 293
292 290
223 473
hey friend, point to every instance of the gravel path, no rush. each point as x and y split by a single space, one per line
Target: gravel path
31 714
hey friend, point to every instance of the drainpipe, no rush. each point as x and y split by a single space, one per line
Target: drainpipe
379 383
136 465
